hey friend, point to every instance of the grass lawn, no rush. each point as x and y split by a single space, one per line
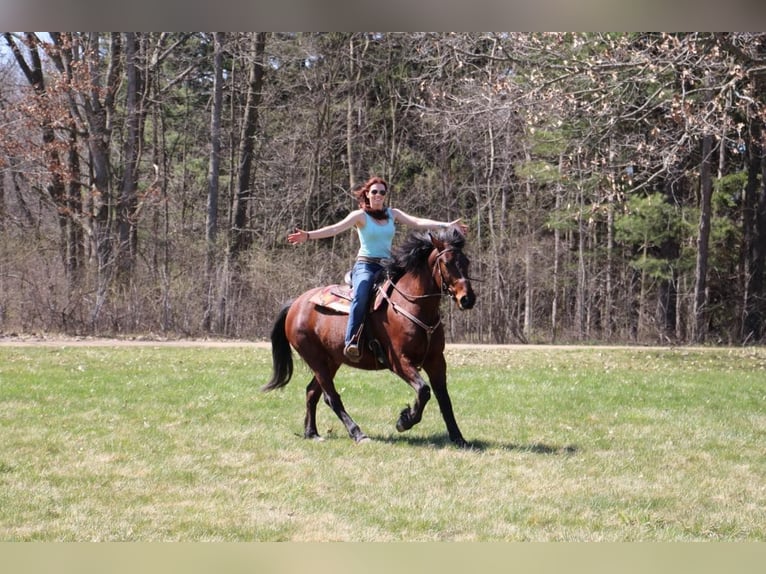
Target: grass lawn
163 443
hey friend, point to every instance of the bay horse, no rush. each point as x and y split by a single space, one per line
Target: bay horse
406 325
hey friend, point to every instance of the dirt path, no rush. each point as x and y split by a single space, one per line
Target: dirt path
64 341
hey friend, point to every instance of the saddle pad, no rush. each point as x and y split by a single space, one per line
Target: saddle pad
335 297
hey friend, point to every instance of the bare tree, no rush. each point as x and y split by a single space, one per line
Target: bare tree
241 239
56 188
127 202
211 225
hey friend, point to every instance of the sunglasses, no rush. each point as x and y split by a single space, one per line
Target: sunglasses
377 191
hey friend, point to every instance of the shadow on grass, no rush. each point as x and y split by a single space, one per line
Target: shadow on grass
443 441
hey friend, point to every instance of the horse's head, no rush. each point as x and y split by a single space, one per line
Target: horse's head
450 268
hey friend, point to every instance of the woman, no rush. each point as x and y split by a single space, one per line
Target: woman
374 224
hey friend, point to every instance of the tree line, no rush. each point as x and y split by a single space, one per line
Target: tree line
613 183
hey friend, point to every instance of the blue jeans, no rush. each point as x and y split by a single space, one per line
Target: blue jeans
362 280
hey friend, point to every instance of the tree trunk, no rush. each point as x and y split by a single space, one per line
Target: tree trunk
581 274
351 126
240 238
556 270
3 209
211 226
98 115
754 235
758 288
75 241
703 242
128 202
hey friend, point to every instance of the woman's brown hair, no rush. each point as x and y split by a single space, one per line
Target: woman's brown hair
360 192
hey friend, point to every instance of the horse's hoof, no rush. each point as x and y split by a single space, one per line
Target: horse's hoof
363 439
404 423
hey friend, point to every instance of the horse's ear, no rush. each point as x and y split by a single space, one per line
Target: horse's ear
436 242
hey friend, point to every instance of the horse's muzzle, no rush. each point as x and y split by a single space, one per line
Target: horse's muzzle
466 301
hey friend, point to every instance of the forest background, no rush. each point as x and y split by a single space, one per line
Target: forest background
613 183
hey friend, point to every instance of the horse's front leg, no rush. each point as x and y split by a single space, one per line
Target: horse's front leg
436 367
411 415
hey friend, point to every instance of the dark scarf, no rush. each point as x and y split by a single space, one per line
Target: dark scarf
379 214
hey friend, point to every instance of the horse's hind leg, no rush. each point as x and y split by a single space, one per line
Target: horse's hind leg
322 384
332 398
313 393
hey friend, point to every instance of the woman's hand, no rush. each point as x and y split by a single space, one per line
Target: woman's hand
462 227
298 236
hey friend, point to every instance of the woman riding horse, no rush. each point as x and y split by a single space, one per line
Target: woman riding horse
407 326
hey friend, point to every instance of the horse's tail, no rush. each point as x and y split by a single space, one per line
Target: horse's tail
281 353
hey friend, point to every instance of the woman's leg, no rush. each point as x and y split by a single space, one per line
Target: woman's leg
361 279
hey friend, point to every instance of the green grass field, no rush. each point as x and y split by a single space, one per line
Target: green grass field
161 443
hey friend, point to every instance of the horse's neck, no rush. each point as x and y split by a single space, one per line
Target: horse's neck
419 288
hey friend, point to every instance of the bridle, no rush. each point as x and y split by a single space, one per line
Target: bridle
444 289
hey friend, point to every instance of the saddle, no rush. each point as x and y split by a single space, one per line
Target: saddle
338 299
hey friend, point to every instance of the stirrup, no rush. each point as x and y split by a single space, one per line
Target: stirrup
352 352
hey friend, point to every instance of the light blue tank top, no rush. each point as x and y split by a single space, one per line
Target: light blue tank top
375 238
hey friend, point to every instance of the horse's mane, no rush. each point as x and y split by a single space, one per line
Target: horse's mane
412 254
